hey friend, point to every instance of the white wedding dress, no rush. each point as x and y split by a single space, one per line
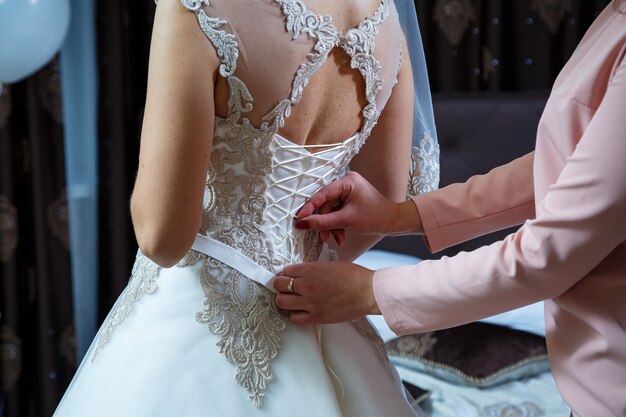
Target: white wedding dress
204 338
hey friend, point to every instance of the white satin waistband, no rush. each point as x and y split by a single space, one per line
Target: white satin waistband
234 259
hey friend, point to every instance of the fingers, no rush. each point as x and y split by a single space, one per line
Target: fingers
294 270
335 220
334 192
288 297
294 305
306 210
330 206
300 317
291 302
326 208
281 283
339 235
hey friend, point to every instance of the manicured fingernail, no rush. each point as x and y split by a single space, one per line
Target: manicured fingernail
303 225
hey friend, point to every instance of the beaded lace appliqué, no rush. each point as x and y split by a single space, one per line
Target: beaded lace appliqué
424 173
248 324
142 282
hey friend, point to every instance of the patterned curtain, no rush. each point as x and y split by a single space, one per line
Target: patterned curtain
37 348
123 35
510 45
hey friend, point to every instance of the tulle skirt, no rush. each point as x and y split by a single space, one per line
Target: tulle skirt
162 362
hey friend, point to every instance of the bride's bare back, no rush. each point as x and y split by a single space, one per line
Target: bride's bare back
331 104
317 72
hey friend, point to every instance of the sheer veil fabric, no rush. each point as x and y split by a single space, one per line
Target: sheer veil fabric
425 170
204 338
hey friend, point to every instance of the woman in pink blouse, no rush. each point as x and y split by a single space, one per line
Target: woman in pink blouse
570 195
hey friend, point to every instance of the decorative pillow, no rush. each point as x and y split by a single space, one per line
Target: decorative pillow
476 354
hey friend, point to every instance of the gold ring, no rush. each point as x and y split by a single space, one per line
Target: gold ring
290 285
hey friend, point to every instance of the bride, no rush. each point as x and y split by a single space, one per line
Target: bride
252 107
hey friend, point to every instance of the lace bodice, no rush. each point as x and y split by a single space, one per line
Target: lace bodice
258 179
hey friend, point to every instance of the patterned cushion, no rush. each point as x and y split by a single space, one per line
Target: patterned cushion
476 354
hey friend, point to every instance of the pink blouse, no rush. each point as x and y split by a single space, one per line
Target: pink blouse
571 250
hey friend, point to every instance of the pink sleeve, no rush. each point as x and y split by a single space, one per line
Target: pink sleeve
581 220
460 212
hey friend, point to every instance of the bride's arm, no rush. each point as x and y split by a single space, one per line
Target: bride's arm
384 160
176 136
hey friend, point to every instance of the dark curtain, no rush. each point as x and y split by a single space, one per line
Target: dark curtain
123 37
37 348
504 45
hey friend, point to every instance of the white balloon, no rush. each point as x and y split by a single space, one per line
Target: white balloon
31 33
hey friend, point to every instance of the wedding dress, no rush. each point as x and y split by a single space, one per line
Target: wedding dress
204 338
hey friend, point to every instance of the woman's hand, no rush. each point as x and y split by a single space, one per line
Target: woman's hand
326 292
351 203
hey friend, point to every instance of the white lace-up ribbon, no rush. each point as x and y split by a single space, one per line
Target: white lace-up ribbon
297 174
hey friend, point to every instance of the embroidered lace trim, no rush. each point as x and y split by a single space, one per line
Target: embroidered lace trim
142 282
243 315
424 173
